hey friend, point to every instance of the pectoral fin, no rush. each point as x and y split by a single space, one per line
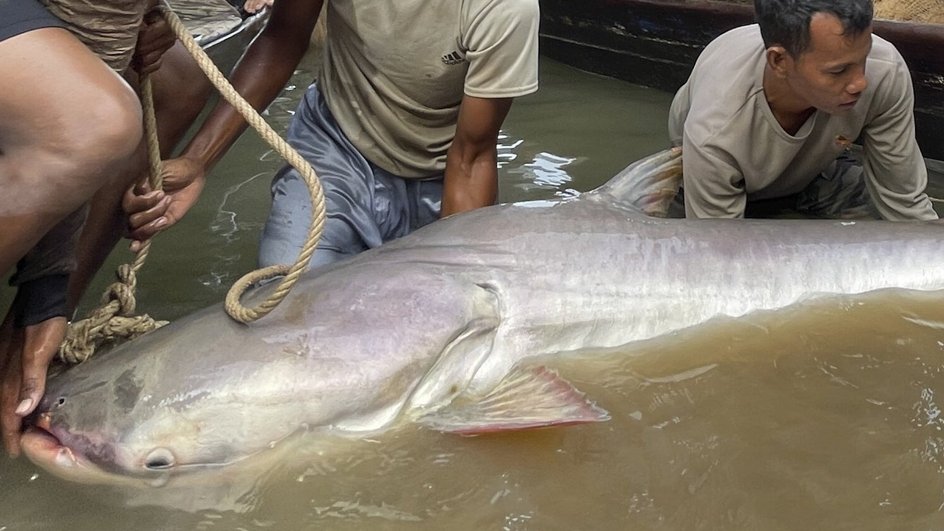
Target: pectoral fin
534 397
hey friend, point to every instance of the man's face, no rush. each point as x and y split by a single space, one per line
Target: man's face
830 74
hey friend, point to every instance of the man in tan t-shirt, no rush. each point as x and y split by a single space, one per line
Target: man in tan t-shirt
770 112
405 112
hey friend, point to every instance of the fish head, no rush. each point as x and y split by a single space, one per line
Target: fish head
91 436
105 436
78 433
152 410
206 397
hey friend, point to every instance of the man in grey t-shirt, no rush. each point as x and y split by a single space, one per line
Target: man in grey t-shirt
405 112
770 111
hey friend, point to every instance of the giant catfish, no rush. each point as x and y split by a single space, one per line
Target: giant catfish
437 328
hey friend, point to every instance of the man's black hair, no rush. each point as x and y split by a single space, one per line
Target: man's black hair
787 22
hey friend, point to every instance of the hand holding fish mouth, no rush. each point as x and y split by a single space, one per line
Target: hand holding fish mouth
25 355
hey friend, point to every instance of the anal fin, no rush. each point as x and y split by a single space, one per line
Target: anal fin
533 397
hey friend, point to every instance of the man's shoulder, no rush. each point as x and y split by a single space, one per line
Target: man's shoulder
739 34
887 73
735 50
741 37
507 4
732 66
885 53
505 9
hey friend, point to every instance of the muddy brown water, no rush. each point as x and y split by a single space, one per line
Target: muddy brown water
824 416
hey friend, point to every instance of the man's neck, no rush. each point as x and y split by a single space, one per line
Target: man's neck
791 113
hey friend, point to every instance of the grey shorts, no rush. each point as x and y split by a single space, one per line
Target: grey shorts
839 192
365 205
21 16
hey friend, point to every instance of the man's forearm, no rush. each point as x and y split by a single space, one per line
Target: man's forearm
259 81
469 184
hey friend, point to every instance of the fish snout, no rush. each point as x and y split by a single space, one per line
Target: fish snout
39 424
42 416
43 419
42 446
37 419
53 429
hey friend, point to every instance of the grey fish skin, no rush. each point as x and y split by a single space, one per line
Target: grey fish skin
401 331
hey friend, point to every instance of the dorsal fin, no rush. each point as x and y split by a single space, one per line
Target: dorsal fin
649 184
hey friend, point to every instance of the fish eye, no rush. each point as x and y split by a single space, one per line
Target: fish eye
61 402
159 459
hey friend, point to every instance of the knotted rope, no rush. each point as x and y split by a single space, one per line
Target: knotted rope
114 320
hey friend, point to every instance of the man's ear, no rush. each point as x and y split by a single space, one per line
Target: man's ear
778 60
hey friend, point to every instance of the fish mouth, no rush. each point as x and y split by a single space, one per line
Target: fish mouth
46 451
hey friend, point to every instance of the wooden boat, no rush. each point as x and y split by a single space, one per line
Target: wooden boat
220 27
655 43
